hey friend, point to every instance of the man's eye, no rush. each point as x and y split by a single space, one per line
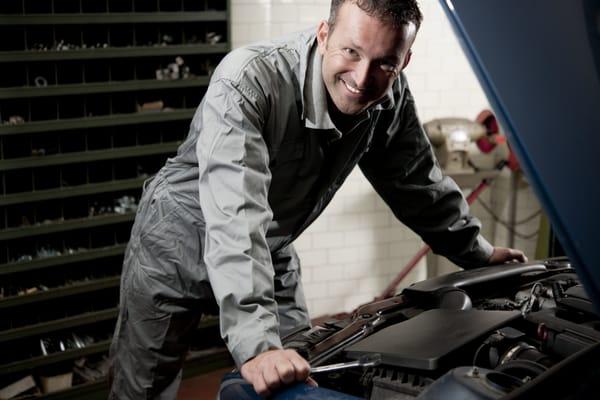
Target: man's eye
350 52
389 67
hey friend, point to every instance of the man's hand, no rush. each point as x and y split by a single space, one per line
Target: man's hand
273 369
503 255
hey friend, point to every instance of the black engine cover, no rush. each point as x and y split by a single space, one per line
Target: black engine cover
423 341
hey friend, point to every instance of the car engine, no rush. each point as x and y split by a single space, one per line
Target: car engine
474 334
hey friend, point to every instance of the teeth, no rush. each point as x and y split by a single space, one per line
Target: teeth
350 88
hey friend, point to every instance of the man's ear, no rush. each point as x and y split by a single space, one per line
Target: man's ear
407 58
322 35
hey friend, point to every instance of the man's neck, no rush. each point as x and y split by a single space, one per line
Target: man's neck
343 122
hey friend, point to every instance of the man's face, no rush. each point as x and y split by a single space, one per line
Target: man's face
362 57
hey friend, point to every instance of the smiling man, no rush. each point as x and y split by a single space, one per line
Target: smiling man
281 126
363 54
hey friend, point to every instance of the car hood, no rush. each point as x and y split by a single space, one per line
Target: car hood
539 63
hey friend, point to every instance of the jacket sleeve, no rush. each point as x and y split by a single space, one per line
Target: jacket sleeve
233 185
293 312
403 169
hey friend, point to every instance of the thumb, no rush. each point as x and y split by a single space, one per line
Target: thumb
311 382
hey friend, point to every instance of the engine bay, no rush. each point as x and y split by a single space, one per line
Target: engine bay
479 334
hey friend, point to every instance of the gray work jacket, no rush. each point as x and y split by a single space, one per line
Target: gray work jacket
261 162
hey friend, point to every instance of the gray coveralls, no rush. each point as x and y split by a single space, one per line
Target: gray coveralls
261 162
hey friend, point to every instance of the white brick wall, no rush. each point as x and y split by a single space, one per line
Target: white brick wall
254 20
356 247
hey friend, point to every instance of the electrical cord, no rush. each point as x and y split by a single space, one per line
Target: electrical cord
488 343
497 219
479 350
520 222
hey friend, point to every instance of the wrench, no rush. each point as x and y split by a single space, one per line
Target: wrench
367 360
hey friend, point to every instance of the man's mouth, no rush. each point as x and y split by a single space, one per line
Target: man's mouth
351 88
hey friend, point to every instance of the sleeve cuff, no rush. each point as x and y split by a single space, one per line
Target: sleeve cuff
250 347
484 249
478 256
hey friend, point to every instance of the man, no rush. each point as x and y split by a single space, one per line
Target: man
281 126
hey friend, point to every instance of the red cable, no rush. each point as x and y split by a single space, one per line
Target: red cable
390 290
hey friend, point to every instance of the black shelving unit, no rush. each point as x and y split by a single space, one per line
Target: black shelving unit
94 96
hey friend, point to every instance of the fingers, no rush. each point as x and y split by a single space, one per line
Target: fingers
273 369
285 371
261 387
301 366
311 382
253 375
503 255
271 377
514 255
521 256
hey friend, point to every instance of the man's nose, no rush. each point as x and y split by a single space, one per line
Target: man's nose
362 74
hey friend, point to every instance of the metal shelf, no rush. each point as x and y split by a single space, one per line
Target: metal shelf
209 323
114 52
199 362
40 263
97 122
92 155
35 362
85 156
111 18
66 225
72 191
128 29
100 87
97 390
63 291
195 363
58 324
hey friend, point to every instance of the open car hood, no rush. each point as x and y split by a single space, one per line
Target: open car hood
539 63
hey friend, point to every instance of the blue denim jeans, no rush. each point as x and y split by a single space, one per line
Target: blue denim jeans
234 387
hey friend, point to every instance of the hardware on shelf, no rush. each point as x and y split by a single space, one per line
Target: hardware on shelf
84 95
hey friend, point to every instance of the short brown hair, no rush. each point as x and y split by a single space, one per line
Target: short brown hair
395 12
